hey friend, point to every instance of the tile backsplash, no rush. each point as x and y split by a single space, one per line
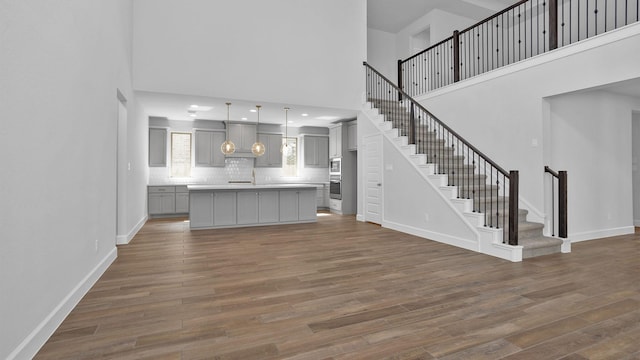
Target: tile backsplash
236 169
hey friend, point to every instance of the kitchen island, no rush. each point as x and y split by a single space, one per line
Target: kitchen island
238 205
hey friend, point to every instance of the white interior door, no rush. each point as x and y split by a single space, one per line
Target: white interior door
373 178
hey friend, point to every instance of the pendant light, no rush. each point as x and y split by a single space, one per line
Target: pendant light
258 148
228 147
285 145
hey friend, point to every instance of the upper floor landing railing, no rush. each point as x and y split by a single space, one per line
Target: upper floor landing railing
525 29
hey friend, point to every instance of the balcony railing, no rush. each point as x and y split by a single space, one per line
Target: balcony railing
525 29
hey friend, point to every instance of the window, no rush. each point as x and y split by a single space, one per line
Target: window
290 157
180 154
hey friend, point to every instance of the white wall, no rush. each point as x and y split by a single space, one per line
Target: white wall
384 49
410 204
60 66
284 51
137 169
590 137
441 25
503 112
381 52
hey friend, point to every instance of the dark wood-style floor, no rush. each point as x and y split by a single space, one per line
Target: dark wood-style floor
341 289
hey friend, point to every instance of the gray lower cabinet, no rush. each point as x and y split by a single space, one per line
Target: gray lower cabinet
247 207
182 200
307 208
288 205
258 207
168 200
162 204
297 205
201 209
207 209
224 208
268 207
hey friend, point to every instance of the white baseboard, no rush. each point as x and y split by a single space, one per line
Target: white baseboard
360 217
39 336
435 236
599 234
125 239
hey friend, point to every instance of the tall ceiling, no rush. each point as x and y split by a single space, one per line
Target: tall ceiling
386 15
394 15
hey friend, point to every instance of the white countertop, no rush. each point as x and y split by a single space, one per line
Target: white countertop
251 186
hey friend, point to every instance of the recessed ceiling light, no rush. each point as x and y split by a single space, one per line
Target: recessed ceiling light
244 118
290 121
253 110
200 107
193 115
305 114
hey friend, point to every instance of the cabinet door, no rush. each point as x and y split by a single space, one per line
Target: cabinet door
224 208
243 136
320 198
288 205
247 207
207 148
157 147
310 151
168 203
307 207
201 209
352 136
316 151
323 152
203 148
269 207
335 141
182 203
272 156
155 204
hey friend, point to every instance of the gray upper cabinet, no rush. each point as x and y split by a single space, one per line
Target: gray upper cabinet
157 147
335 141
207 148
243 136
316 151
352 138
272 156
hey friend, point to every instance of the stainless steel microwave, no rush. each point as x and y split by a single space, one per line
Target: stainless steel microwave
335 166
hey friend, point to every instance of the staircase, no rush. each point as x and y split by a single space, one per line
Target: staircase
459 179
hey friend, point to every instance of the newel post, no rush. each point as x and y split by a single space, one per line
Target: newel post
456 56
553 24
513 207
562 204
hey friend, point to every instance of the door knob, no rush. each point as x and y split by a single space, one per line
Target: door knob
379 184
